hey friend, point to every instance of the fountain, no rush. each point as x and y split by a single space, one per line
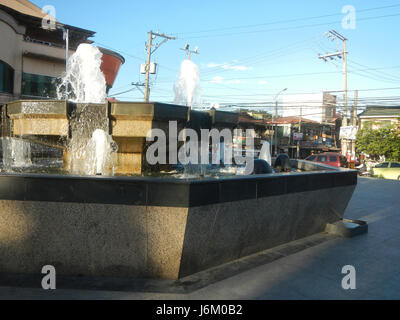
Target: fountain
187 89
108 212
83 81
16 153
101 147
265 153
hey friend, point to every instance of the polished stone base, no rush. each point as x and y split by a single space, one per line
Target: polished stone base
229 231
160 227
91 239
155 241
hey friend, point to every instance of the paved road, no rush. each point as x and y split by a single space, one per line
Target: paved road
313 273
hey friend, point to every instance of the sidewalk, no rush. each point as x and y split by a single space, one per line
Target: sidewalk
312 273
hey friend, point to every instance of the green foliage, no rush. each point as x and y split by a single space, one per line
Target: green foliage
380 142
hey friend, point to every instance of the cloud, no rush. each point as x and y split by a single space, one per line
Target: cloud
228 66
217 79
212 65
235 68
237 81
262 82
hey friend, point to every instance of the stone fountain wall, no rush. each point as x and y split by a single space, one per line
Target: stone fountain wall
160 228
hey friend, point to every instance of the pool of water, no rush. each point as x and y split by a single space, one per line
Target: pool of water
56 166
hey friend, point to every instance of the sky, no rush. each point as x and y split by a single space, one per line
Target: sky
249 50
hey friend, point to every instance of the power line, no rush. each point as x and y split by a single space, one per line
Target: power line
132 56
290 28
283 21
384 74
370 73
291 75
367 100
260 57
309 103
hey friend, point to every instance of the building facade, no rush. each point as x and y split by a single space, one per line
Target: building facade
318 107
32 58
380 116
301 137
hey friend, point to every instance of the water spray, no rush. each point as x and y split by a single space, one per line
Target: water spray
188 89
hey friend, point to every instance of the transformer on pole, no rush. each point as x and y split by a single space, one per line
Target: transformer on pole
150 51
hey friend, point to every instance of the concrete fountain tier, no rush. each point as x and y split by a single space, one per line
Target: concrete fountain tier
160 228
38 118
55 122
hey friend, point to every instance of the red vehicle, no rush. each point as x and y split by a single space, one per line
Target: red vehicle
329 158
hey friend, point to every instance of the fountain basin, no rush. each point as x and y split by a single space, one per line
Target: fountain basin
161 228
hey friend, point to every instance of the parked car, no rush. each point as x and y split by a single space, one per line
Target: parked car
387 170
329 158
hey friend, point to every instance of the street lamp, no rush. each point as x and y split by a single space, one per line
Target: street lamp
66 37
276 126
188 51
49 22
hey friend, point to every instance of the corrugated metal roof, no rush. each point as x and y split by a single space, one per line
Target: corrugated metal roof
291 120
381 111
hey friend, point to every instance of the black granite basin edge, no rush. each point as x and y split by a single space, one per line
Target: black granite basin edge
167 192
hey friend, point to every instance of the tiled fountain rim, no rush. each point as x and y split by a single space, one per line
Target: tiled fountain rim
166 192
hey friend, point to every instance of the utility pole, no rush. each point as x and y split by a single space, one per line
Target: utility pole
150 51
341 55
355 108
276 124
300 123
276 129
149 46
345 80
354 122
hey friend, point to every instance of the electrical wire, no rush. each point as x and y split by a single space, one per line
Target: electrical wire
283 21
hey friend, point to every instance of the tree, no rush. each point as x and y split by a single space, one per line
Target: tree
380 142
